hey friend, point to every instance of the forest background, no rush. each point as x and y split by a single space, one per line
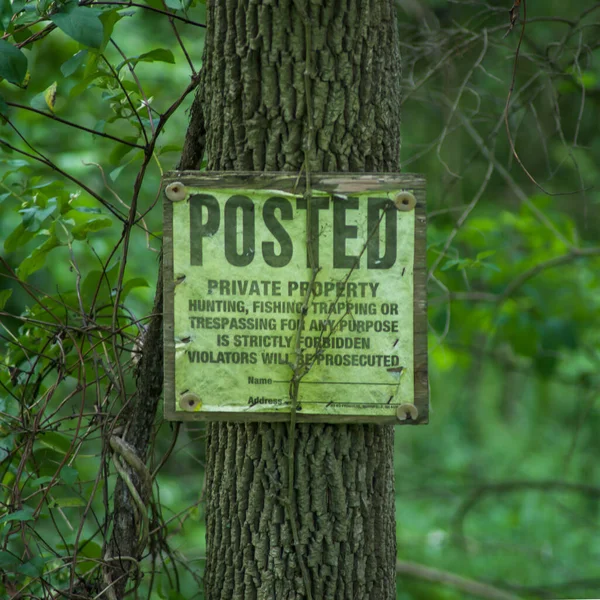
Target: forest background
502 486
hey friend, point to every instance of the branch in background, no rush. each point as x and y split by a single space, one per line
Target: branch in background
56 168
557 261
140 88
152 9
75 125
510 363
462 584
126 93
180 41
520 280
507 487
553 590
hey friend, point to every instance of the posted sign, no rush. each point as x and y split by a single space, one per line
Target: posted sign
266 283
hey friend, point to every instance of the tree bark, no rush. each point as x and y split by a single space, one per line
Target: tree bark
251 115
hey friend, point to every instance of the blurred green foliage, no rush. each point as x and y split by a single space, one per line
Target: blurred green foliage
514 303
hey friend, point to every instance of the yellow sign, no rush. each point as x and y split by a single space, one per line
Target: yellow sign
267 284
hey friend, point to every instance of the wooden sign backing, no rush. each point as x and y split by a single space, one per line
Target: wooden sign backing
238 286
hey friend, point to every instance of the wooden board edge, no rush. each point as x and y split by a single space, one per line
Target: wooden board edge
169 405
291 182
285 417
420 324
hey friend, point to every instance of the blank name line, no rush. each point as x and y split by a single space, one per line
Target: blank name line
395 383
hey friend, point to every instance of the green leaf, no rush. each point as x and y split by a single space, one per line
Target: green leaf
20 35
17 238
68 502
33 568
94 286
459 263
13 63
86 223
37 259
80 23
3 107
84 84
155 4
34 216
120 150
169 148
56 441
7 560
109 20
5 13
114 174
486 254
90 549
25 514
45 100
136 282
41 480
4 296
69 475
157 55
491 267
70 66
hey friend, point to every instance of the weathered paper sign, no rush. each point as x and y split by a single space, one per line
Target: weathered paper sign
264 282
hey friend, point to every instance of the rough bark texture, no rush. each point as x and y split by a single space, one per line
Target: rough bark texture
345 498
251 111
124 541
253 99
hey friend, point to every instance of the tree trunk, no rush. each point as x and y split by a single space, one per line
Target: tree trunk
251 115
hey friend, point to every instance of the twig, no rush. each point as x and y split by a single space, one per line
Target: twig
75 125
152 9
462 219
